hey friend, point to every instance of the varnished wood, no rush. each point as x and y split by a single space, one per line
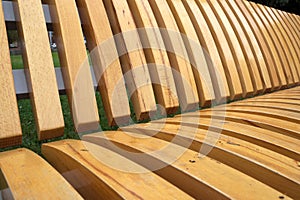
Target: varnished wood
10 126
133 63
37 59
236 49
256 73
213 58
156 56
81 164
187 159
231 72
183 73
75 65
292 23
30 177
197 57
103 51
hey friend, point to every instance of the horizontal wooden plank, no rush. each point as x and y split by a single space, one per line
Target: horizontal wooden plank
28 176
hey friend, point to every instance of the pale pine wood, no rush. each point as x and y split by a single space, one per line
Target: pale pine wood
292 17
236 49
188 167
102 51
256 74
10 127
242 11
292 23
213 58
290 38
287 106
30 177
39 66
133 63
281 43
184 77
80 164
160 67
195 52
235 83
75 65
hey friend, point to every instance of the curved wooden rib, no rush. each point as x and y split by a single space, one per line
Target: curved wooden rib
40 69
10 126
236 49
133 63
86 167
195 52
187 166
212 57
102 52
30 177
184 77
233 79
156 55
288 105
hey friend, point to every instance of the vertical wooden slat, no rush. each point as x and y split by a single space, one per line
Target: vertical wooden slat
103 51
265 40
39 67
185 83
213 58
235 83
195 53
253 65
75 65
134 62
235 47
279 56
280 43
10 127
156 56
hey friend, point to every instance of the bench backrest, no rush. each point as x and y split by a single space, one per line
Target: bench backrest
227 50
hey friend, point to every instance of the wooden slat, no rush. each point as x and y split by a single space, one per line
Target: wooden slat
287 106
37 59
93 171
189 167
236 49
281 44
156 55
75 65
184 77
235 83
10 127
292 23
103 53
293 18
133 63
263 38
290 37
29 177
257 74
195 52
213 58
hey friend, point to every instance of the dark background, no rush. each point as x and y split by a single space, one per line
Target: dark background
292 6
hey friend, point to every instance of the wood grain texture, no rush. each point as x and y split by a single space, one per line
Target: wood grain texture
80 164
75 65
236 49
156 56
39 66
10 127
188 159
257 73
213 58
272 40
195 52
30 177
231 71
292 23
286 54
258 30
133 63
103 53
178 56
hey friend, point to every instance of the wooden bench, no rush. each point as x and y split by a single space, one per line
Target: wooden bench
232 74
